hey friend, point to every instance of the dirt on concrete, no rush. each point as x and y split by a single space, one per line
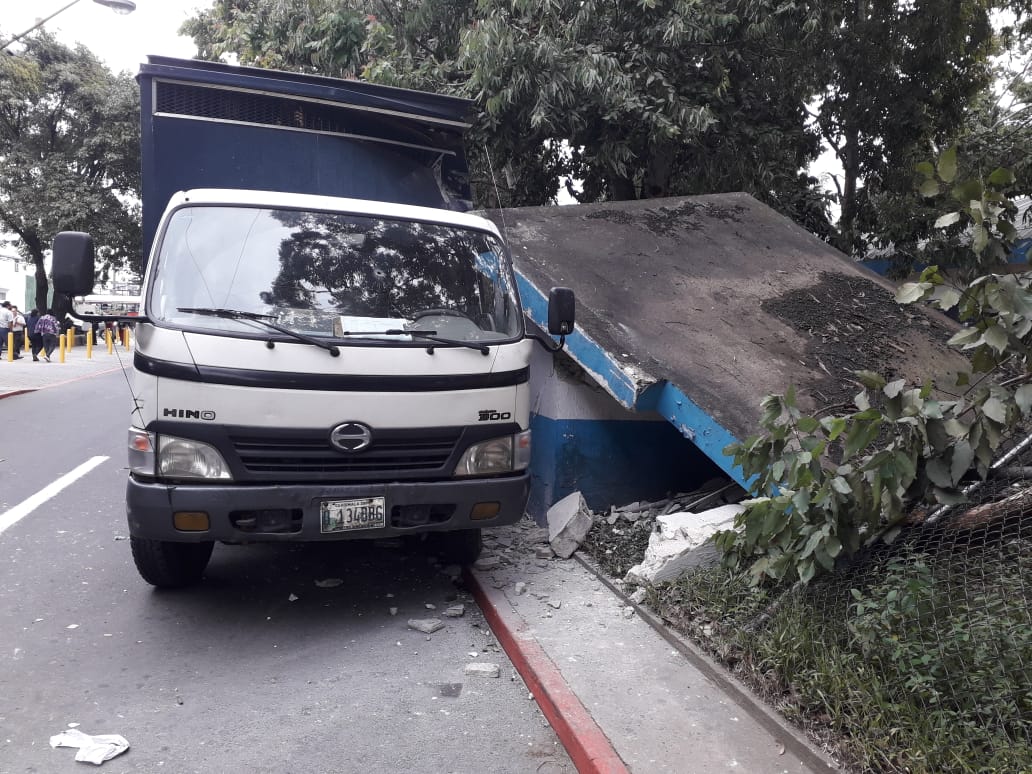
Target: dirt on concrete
852 324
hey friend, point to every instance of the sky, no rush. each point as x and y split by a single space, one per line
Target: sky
122 42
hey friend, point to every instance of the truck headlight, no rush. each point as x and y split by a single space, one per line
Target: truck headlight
505 454
171 457
183 458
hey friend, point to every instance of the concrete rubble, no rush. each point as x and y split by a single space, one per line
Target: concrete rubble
681 542
569 522
526 560
426 625
482 669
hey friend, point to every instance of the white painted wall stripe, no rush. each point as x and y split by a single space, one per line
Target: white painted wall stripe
18 512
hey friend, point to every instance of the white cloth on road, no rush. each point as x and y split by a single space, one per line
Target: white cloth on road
92 749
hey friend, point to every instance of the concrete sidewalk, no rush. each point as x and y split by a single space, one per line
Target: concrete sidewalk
25 375
622 692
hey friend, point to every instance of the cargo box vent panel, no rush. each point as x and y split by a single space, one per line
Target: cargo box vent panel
257 109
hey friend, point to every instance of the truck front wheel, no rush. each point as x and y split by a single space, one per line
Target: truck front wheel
461 546
170 565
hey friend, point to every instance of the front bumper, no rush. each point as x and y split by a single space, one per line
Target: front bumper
245 514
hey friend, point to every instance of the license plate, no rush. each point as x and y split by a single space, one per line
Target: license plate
346 515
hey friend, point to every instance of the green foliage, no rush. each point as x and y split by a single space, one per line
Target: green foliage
825 485
69 153
828 485
900 76
915 629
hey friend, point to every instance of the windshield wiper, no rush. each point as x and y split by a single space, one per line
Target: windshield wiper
432 336
417 334
262 319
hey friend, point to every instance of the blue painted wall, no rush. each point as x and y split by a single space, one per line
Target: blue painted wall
611 462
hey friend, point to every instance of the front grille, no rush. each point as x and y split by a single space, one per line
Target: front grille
387 455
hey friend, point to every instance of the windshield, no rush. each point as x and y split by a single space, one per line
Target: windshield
331 275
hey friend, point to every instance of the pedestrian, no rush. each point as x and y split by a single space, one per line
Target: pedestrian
6 323
18 328
35 339
48 328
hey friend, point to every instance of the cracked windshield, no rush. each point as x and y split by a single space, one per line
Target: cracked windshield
332 275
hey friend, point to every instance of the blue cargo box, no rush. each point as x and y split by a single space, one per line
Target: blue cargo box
212 125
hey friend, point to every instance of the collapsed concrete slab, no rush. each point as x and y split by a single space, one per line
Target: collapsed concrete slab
682 543
690 310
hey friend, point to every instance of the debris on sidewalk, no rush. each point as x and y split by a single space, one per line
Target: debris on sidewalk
488 562
329 583
426 625
482 669
569 522
681 542
455 611
92 749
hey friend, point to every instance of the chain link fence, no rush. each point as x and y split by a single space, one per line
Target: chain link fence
915 657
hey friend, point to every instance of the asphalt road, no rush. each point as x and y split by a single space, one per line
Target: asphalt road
257 669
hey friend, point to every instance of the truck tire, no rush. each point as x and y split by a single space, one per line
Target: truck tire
461 546
170 565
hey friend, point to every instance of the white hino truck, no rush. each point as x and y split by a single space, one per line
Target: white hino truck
330 345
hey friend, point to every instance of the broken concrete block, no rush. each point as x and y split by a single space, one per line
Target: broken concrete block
568 523
543 552
426 625
455 611
482 669
638 596
537 535
681 543
520 587
487 562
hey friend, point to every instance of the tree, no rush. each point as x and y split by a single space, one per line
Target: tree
899 79
69 154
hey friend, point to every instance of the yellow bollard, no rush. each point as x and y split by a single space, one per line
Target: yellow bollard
64 338
128 338
25 349
108 341
89 344
10 347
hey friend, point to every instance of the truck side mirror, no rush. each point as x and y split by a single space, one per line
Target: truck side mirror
72 268
561 311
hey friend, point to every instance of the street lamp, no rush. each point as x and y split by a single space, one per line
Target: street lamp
118 6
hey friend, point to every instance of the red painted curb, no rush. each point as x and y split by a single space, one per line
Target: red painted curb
16 392
588 747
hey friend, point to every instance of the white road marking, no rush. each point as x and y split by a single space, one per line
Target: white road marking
18 512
